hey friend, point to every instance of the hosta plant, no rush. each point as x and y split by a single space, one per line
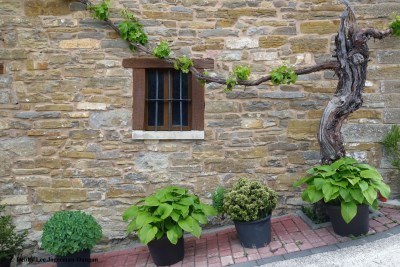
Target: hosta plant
168 212
249 200
67 232
10 240
347 183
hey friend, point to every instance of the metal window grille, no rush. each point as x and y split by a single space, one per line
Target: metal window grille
168 100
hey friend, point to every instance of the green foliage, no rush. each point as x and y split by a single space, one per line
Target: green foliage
202 81
395 25
242 72
10 241
316 217
346 182
101 11
283 75
162 50
67 232
391 145
218 199
249 201
131 30
183 64
170 212
230 84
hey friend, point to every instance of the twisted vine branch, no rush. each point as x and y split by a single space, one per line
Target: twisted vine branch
332 65
352 55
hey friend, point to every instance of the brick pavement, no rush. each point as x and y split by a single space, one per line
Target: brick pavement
222 248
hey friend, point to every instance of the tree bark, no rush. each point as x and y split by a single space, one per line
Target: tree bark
352 53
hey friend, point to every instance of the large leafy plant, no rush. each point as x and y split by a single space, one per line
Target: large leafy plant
10 240
168 212
391 145
67 232
249 200
347 183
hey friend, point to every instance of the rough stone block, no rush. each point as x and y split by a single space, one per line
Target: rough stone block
364 133
311 44
21 146
61 195
319 27
303 129
112 118
14 200
34 8
273 41
80 44
392 115
241 43
221 107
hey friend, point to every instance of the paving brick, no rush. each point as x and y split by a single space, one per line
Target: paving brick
291 247
227 260
241 259
280 251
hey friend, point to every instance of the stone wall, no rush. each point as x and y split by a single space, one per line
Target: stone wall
66 100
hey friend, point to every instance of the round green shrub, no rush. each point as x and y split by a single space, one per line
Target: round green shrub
249 201
67 232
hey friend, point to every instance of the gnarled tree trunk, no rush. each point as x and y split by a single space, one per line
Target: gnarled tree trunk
353 54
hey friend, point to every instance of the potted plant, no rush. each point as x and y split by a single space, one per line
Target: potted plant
347 188
70 235
391 146
161 219
10 241
250 204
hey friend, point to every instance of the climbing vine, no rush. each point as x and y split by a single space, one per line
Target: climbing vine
395 25
162 50
283 75
183 64
132 31
101 11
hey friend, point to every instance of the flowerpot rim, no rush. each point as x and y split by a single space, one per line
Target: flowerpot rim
338 206
256 221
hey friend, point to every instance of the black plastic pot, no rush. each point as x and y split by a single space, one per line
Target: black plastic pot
6 262
359 225
164 252
77 259
254 234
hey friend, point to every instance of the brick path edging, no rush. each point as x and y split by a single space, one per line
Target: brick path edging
328 248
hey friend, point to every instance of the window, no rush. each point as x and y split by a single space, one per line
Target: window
1 68
167 104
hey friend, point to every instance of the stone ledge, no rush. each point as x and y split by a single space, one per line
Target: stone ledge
167 135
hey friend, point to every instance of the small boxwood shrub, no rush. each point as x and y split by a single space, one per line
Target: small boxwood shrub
249 200
67 232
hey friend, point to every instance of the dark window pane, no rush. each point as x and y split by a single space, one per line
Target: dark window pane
155 85
176 85
180 85
152 83
176 118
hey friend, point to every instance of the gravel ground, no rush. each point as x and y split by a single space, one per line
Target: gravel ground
384 253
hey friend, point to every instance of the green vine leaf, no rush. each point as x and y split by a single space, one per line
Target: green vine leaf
283 75
242 72
131 30
183 64
101 11
162 50
231 82
395 25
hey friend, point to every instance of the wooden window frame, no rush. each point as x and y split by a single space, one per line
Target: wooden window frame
139 66
168 119
2 71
